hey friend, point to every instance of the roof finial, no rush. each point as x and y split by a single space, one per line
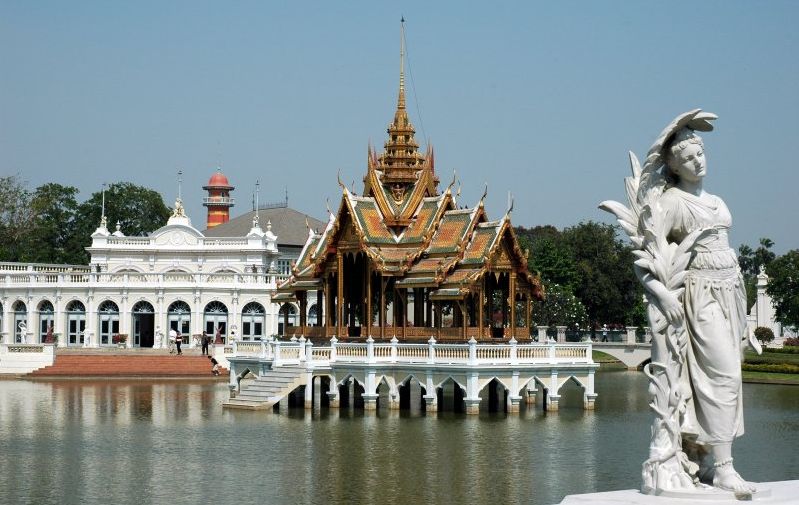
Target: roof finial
401 99
180 181
257 217
103 220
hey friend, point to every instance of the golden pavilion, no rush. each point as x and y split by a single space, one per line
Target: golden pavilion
402 260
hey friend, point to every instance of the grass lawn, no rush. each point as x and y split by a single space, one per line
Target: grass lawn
771 378
772 357
607 361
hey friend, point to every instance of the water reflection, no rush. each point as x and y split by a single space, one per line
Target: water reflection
170 442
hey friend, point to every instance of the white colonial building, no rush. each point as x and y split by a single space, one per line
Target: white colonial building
141 287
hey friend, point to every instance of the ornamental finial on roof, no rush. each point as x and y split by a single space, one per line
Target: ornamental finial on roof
401 98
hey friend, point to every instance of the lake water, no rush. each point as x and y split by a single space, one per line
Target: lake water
87 442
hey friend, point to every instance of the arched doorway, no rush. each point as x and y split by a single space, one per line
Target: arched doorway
252 321
20 321
143 324
179 318
108 314
215 320
46 320
76 323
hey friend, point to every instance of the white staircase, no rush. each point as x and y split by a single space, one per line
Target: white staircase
267 390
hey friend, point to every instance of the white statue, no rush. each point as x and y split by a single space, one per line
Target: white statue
697 311
23 332
159 338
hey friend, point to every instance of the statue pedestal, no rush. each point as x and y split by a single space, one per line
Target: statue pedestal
776 493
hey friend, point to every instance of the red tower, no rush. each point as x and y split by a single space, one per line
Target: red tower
218 200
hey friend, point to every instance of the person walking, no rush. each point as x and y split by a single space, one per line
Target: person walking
205 342
178 341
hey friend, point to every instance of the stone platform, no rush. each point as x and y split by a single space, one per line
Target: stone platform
771 493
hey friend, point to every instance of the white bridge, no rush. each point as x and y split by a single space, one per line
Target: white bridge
460 375
633 354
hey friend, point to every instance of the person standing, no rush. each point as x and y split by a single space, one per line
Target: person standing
205 342
604 333
178 341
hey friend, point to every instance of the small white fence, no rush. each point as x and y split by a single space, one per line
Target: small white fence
470 354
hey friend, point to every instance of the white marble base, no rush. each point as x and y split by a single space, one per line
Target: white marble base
772 493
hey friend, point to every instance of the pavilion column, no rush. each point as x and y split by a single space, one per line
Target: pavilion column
382 306
303 299
428 309
404 312
480 309
286 319
340 294
512 301
320 312
368 315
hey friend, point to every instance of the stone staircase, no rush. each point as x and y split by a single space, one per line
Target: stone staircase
107 364
267 390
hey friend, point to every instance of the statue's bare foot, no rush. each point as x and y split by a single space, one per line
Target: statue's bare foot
728 479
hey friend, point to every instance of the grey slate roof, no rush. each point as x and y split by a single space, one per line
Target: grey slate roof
288 224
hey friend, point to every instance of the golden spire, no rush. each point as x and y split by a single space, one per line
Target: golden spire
401 99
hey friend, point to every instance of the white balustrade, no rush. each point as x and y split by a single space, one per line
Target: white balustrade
433 353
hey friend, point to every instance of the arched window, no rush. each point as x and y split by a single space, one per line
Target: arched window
179 318
108 314
76 322
313 315
46 318
215 320
20 321
252 321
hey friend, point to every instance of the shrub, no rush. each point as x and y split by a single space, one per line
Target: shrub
764 334
772 368
119 339
792 342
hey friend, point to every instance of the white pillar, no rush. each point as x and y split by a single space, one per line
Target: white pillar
589 397
370 394
472 401
553 397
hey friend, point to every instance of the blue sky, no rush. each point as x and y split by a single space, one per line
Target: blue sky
543 99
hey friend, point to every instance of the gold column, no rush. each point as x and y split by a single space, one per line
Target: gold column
480 321
340 295
382 306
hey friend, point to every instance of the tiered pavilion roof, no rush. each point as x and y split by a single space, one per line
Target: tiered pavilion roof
404 251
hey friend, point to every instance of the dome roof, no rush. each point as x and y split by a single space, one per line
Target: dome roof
218 180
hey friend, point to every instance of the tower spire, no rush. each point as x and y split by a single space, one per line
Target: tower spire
401 98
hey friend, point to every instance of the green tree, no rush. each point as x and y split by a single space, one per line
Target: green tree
549 256
750 260
138 210
783 287
16 216
607 285
53 207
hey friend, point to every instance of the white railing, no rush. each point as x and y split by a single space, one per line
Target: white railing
33 278
470 353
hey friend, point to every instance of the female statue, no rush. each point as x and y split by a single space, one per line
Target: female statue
697 309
